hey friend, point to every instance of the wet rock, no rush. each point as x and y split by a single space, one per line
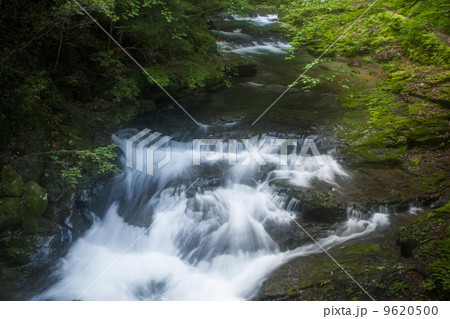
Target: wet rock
322 206
11 182
34 205
53 182
81 219
290 236
373 185
47 227
320 203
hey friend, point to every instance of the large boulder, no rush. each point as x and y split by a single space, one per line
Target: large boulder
319 203
11 182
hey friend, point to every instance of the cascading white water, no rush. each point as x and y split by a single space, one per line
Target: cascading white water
259 20
254 48
216 241
211 243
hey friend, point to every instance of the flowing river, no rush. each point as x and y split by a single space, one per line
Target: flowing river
214 231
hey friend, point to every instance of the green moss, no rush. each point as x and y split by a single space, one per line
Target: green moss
382 126
438 78
415 108
293 290
395 82
362 249
315 24
415 161
444 209
445 93
434 179
35 198
322 271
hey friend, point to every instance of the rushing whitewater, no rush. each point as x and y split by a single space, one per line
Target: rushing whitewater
211 242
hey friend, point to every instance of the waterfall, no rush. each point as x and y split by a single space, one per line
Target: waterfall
212 242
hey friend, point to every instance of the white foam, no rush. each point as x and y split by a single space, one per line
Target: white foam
259 20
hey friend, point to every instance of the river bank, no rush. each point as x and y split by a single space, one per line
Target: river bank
401 123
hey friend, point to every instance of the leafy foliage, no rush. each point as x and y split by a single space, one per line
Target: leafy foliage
96 161
106 60
124 89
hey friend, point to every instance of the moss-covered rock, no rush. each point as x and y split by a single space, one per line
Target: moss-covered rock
10 211
319 203
11 182
322 206
34 204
